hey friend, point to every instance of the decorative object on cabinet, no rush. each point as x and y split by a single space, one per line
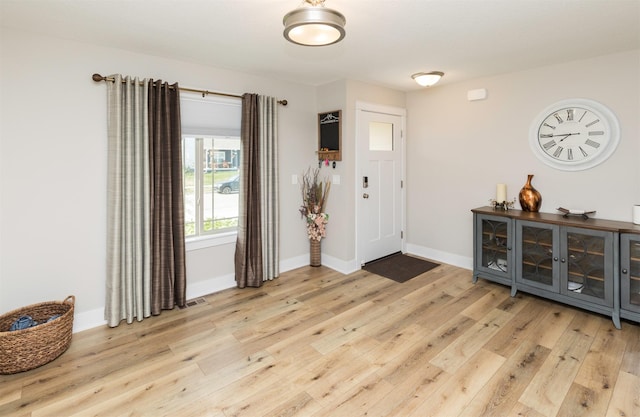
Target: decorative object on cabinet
592 264
330 136
530 198
575 212
501 193
504 205
574 134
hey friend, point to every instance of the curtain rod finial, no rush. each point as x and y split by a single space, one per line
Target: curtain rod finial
97 77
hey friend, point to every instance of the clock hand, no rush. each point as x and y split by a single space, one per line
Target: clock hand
566 135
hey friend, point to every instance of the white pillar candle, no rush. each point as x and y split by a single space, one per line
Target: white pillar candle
636 214
501 193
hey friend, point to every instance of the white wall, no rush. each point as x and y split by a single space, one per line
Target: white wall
458 150
53 168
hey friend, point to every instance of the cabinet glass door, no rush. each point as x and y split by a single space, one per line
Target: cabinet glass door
630 278
588 264
537 259
494 248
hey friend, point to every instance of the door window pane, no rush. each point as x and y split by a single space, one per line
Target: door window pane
380 136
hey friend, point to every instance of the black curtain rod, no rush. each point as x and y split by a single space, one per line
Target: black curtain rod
98 78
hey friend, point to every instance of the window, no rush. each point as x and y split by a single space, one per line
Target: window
211 165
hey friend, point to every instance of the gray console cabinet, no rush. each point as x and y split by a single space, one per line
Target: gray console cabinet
571 260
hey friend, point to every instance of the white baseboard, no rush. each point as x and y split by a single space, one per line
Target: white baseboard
440 256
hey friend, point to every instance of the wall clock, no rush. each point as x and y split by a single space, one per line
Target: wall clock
574 134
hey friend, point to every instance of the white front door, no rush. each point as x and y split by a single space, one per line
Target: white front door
379 175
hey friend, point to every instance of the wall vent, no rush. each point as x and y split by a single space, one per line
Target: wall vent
194 302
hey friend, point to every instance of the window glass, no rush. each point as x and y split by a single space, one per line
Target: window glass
211 184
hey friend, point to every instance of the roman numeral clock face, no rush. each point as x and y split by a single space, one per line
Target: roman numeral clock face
574 134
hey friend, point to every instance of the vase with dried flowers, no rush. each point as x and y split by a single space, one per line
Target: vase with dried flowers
314 197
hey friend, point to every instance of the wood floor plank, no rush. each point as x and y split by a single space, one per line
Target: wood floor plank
301 404
599 370
555 320
625 400
410 393
333 375
487 303
9 393
582 401
550 385
359 399
631 359
516 332
501 393
522 410
239 390
145 399
418 355
460 350
101 390
456 393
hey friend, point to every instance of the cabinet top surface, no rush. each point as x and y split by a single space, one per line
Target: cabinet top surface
559 219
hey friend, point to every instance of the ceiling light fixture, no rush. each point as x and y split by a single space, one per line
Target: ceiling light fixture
312 24
427 79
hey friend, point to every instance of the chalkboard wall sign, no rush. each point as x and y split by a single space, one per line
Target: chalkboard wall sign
330 135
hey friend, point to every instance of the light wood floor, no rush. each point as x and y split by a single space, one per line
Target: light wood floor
318 343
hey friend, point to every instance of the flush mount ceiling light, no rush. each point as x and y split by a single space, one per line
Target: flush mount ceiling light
312 24
427 79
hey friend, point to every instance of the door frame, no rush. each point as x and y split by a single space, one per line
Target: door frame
362 106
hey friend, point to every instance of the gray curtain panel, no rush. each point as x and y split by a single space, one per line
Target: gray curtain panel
128 282
168 270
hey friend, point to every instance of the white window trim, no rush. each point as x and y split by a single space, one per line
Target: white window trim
208 241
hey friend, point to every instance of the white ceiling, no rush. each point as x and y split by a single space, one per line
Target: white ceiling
386 42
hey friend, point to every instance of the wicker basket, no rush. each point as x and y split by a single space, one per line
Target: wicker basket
21 350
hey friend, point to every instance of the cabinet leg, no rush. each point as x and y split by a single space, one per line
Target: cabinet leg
514 290
616 320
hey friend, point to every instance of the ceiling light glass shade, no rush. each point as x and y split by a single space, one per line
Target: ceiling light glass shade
427 79
314 26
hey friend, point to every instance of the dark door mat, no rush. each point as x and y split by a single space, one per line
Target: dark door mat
399 267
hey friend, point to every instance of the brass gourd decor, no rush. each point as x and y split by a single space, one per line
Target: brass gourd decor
530 198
